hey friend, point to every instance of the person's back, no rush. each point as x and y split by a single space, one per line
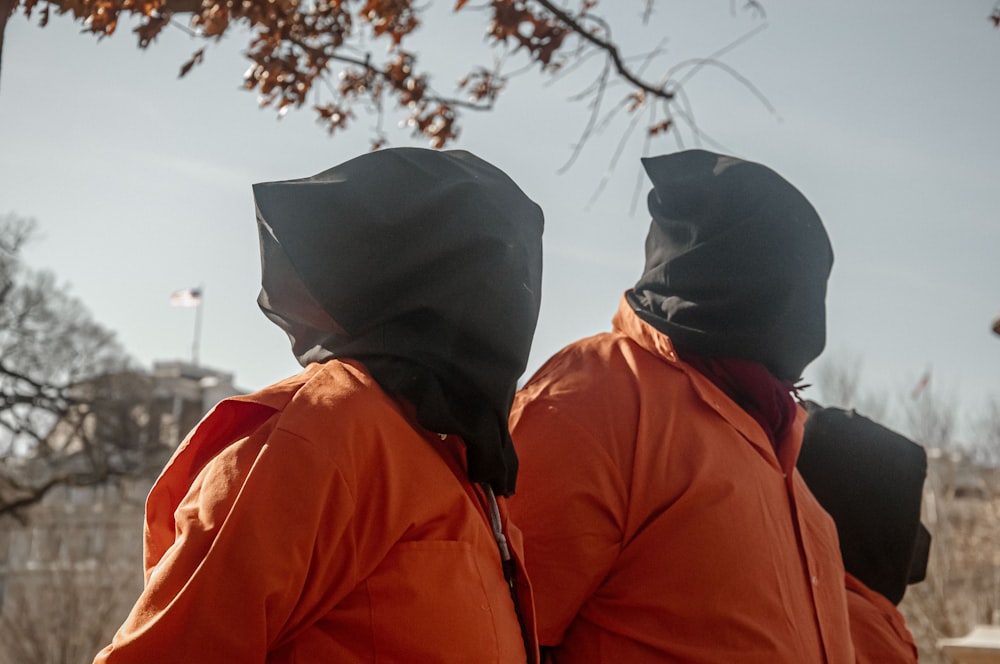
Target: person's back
870 480
663 517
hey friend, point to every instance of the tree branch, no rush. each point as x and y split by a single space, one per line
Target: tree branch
432 97
36 494
609 48
6 9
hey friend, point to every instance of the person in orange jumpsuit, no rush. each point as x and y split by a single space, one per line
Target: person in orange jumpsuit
663 517
355 512
870 479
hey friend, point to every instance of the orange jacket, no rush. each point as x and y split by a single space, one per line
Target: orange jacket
312 522
877 627
659 524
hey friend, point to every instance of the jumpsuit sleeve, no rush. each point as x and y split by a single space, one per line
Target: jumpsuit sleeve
570 506
239 578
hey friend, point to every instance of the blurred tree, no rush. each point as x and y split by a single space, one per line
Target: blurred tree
838 381
70 406
961 503
67 606
322 53
984 446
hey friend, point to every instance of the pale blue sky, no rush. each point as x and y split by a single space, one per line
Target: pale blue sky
886 118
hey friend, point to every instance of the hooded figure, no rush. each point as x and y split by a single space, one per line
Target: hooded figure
737 262
870 479
349 512
424 266
663 516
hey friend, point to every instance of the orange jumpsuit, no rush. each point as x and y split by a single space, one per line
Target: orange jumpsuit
312 522
878 628
659 523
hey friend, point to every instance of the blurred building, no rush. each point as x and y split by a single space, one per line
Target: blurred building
954 613
980 646
71 564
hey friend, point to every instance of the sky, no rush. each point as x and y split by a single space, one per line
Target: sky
885 115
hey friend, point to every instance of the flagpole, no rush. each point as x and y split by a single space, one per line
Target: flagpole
191 297
197 326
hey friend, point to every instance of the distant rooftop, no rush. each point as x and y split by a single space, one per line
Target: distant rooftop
980 646
181 369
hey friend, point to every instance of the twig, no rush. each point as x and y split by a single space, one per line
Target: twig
717 54
591 121
607 47
701 63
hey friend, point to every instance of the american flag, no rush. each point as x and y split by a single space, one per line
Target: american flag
921 385
188 297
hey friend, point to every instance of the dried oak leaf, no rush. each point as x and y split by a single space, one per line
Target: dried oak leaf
148 31
660 128
196 59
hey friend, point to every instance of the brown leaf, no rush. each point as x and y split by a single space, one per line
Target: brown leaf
660 128
196 59
150 29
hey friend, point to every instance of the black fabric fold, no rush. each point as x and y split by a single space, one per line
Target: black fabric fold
870 479
426 267
737 262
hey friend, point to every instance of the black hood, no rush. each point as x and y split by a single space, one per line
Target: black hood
426 267
737 262
870 479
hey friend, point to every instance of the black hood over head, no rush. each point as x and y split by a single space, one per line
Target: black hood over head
737 262
870 479
426 267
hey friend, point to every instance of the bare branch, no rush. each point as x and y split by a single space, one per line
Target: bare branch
33 494
58 424
6 9
609 48
712 58
595 109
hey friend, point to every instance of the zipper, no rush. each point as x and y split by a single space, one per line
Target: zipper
507 563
